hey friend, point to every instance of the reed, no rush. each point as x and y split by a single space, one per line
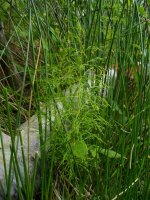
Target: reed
87 62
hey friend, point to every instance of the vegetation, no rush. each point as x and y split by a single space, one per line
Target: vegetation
60 52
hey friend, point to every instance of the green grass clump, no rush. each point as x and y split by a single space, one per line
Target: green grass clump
98 145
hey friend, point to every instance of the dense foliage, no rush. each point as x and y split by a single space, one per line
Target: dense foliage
99 142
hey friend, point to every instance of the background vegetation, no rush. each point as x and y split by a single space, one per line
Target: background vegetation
99 144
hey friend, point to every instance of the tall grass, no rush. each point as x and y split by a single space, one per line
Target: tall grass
96 142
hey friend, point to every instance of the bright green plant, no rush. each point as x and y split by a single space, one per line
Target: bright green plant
96 148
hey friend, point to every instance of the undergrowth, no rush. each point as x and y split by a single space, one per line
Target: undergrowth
96 143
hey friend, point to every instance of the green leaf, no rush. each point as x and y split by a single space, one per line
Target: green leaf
5 6
142 11
45 45
80 149
110 153
94 152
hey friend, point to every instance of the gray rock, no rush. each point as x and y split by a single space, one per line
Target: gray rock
34 148
30 128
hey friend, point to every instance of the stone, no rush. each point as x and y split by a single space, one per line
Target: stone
34 148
